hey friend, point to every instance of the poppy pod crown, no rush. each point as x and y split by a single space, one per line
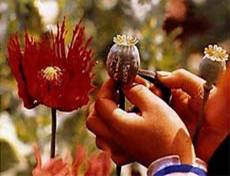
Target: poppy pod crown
125 40
50 73
216 53
213 63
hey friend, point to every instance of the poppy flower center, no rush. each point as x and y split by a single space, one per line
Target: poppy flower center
51 73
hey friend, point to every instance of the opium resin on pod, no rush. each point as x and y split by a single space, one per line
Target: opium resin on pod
123 60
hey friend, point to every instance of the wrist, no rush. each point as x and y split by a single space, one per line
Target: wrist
183 147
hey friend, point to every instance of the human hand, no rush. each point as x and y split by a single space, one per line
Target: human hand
187 92
155 132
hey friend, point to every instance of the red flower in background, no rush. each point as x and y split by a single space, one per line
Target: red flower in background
49 73
97 166
181 13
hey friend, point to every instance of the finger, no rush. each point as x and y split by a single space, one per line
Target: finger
180 104
149 85
156 90
142 81
121 159
142 97
179 100
183 79
115 117
98 127
108 90
102 144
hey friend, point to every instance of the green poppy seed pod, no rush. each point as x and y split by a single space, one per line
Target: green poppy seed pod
213 63
123 60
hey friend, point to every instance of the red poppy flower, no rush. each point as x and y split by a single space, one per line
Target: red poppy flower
57 166
49 73
181 13
99 165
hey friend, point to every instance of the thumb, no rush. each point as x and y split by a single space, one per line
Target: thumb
114 117
182 79
142 97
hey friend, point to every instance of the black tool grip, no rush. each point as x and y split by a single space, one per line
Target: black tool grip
151 76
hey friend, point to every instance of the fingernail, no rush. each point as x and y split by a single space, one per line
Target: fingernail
119 112
162 74
147 84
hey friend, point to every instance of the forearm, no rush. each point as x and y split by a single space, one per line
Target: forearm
183 147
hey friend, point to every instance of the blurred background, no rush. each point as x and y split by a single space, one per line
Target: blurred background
172 34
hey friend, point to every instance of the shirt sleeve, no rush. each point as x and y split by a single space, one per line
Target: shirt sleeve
171 166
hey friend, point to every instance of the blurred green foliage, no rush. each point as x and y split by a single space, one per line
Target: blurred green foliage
8 156
103 20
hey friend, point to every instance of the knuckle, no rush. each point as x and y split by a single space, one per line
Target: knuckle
139 88
180 72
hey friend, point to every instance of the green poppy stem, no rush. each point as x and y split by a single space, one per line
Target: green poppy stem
53 133
207 88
